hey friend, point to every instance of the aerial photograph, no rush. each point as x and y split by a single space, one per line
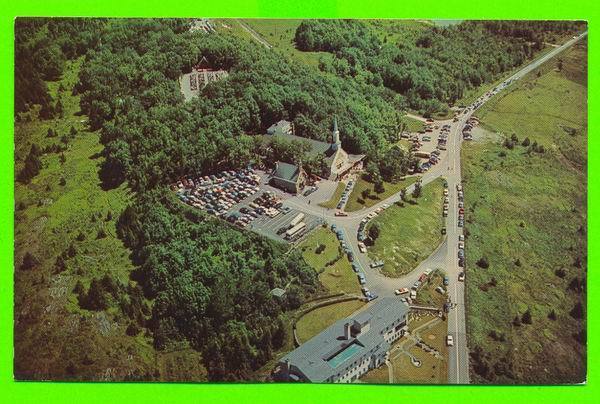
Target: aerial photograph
372 201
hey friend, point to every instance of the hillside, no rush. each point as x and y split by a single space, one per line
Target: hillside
526 316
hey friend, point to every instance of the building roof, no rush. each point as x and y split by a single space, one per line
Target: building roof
285 171
329 353
278 292
280 128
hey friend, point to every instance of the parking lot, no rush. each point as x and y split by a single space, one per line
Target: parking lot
269 227
245 199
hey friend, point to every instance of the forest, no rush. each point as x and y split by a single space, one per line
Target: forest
209 284
435 70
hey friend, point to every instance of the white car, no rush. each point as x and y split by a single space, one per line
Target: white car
401 291
461 237
362 247
413 294
449 340
461 277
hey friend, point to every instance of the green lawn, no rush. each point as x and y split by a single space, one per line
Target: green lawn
411 233
527 214
413 125
317 320
280 34
338 277
363 183
335 198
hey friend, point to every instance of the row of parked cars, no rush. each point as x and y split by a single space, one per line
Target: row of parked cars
266 204
362 227
466 132
217 193
345 195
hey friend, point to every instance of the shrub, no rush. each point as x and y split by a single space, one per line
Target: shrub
379 188
526 318
62 182
101 234
561 273
483 263
132 329
320 249
577 311
552 315
29 261
516 321
526 142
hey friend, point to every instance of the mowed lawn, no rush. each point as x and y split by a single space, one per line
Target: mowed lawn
317 320
335 198
412 124
411 233
337 278
280 34
354 200
527 214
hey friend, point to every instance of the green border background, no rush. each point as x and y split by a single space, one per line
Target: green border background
47 392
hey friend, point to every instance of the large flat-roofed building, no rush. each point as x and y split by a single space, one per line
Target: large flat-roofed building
338 162
349 348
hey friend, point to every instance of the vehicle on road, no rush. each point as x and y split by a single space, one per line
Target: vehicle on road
446 280
449 340
443 230
355 268
401 291
428 271
341 213
361 278
461 277
376 264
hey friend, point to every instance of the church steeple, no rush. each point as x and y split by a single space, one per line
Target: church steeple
337 144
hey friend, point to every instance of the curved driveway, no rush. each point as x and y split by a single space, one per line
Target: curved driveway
446 255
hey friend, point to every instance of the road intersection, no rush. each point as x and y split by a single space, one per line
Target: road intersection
446 254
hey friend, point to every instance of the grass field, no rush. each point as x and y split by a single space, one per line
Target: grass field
527 214
335 198
49 218
411 233
317 320
413 125
363 184
338 277
280 34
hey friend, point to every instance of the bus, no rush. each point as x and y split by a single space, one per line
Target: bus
295 230
296 219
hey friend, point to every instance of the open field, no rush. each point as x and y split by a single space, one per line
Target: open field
411 233
335 198
413 125
363 184
535 202
280 34
428 296
338 277
317 320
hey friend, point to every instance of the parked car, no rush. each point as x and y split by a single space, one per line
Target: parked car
401 291
461 237
440 290
449 340
461 277
446 280
443 230
413 294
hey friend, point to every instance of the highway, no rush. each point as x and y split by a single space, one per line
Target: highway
446 255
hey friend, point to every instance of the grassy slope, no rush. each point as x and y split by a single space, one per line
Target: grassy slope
362 183
338 277
335 198
409 234
530 208
319 319
413 125
280 34
46 311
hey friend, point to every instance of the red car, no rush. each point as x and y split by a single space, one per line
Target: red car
461 211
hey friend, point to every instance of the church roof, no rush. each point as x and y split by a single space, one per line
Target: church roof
285 171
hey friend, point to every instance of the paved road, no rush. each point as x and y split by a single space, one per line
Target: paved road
446 255
255 35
